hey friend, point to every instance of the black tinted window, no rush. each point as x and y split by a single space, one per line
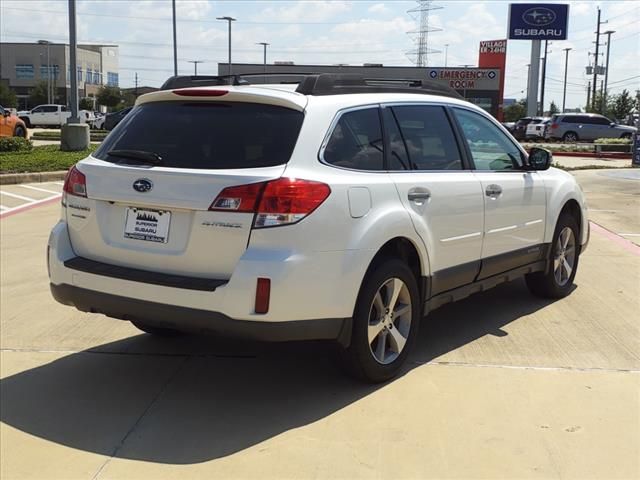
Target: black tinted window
575 119
429 138
600 121
50 109
356 141
207 135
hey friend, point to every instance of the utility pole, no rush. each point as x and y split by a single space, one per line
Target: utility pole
544 76
73 51
446 54
48 44
608 33
588 94
564 89
264 59
175 43
528 71
229 20
135 92
195 65
595 66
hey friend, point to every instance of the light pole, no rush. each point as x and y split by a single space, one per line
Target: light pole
528 72
544 76
446 54
73 60
608 33
175 43
48 44
195 65
564 89
264 59
464 94
229 20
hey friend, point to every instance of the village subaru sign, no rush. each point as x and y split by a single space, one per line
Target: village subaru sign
538 21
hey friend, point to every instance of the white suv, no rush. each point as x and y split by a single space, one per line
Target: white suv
339 210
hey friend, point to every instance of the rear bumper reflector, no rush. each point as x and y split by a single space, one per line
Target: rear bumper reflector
263 292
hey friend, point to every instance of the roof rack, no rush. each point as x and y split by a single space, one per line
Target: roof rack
319 84
335 84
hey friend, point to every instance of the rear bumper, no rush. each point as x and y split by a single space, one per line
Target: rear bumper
194 320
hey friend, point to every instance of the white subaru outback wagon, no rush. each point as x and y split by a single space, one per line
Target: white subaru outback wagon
338 209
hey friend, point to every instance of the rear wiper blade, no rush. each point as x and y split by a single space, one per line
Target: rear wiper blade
147 157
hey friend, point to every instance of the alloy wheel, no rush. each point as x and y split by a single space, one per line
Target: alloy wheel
390 318
564 257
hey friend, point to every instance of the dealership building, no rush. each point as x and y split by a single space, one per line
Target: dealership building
22 65
482 85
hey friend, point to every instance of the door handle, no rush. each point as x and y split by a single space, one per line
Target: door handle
418 195
493 190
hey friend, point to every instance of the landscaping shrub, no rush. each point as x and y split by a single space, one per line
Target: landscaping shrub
15 144
613 141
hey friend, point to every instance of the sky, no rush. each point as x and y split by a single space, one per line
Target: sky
328 32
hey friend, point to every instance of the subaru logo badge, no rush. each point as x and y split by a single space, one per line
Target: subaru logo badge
539 16
142 185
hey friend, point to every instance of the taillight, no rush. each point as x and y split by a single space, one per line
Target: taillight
554 125
277 202
75 183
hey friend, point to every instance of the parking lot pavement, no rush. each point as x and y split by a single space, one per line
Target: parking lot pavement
501 385
614 199
17 198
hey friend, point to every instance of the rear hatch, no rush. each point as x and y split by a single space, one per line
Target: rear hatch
152 182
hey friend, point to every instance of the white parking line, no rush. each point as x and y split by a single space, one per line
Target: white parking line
2 207
19 197
629 234
28 205
38 189
58 183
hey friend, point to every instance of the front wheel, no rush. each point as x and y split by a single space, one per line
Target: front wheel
558 281
385 322
570 137
20 132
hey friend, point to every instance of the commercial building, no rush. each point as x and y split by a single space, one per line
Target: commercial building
22 65
481 86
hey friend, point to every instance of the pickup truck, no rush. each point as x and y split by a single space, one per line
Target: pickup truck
45 115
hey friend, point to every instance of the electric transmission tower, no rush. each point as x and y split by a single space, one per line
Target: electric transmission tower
421 13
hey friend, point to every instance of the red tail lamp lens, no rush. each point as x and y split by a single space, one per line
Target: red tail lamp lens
75 183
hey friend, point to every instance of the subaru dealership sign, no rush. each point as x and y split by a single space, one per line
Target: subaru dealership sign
538 21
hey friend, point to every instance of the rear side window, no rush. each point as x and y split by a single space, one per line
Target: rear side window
207 135
428 137
356 141
576 119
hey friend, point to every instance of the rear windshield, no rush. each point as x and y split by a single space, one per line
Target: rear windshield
206 135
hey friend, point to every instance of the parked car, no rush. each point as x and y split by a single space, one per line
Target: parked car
98 122
509 126
113 119
11 125
328 212
520 128
574 127
535 130
45 116
87 116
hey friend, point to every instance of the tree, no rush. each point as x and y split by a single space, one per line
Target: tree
621 105
7 96
38 94
638 100
109 96
515 111
553 108
85 104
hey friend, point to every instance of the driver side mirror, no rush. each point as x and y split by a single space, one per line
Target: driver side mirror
539 159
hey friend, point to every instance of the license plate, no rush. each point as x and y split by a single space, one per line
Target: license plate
148 225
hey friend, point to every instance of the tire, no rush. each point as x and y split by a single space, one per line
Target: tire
156 331
557 283
380 359
570 137
20 131
26 121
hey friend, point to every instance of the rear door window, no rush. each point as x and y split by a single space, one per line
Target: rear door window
356 141
429 138
207 135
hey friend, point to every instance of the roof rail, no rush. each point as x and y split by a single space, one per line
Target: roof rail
335 84
188 81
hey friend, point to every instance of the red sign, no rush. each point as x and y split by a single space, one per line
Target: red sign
493 54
